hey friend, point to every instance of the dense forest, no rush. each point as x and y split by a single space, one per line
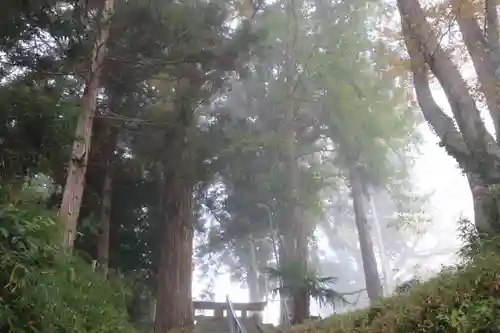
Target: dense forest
147 146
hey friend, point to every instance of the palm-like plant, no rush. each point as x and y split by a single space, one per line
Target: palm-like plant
291 279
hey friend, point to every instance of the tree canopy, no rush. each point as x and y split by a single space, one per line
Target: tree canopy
272 140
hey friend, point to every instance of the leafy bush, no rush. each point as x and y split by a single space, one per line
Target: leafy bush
46 290
462 299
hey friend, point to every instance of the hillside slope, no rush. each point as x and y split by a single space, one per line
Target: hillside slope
461 299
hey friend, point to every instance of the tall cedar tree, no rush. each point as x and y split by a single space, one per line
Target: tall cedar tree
77 167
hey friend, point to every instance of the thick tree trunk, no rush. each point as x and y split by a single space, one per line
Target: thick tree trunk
295 234
384 260
373 285
255 280
294 229
295 253
300 307
486 202
285 306
77 167
104 223
106 197
253 276
174 307
254 294
301 301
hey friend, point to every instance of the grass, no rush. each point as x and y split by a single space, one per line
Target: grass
461 299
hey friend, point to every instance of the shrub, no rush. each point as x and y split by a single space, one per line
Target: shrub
461 299
46 290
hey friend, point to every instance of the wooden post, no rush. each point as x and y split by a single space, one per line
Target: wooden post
219 313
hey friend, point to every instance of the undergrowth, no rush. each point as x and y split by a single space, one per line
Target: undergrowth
43 289
461 299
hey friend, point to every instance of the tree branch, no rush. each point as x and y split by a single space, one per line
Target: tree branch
492 26
482 53
441 123
463 106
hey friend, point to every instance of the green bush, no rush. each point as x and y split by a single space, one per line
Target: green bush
45 290
462 299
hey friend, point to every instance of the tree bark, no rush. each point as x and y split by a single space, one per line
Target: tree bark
106 200
294 231
493 39
295 234
77 167
470 144
286 307
373 285
462 103
384 260
253 277
253 286
483 51
301 301
104 224
486 204
174 307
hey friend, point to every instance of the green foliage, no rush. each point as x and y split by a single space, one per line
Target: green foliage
463 298
46 290
475 243
343 103
36 123
295 279
367 119
151 45
406 286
